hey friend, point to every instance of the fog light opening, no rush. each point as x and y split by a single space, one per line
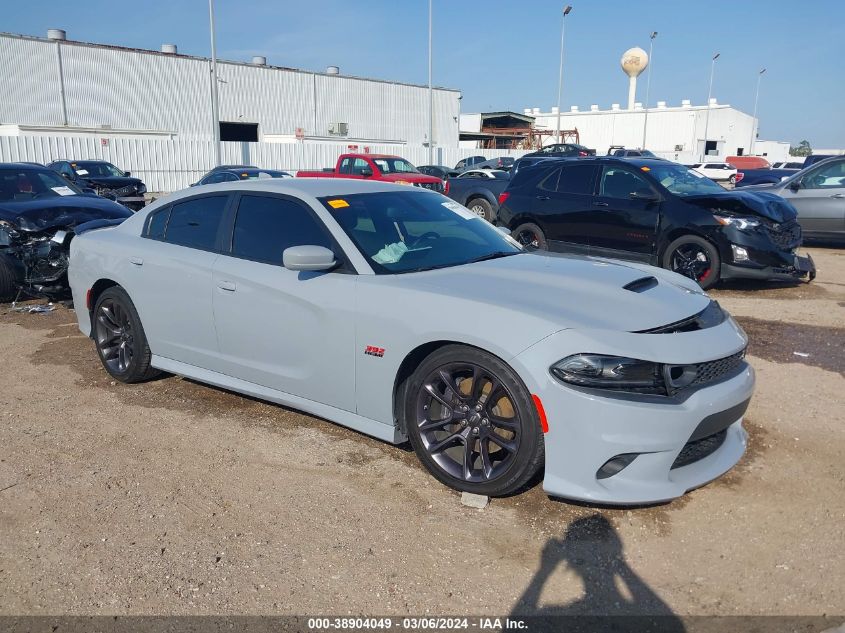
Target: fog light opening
739 253
615 465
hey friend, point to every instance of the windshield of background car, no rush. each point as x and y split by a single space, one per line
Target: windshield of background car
262 173
395 166
409 231
20 185
97 169
683 181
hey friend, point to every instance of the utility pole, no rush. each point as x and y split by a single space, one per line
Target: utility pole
709 93
215 103
566 11
648 83
754 118
430 91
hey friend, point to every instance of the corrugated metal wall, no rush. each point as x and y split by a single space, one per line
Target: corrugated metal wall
146 90
173 165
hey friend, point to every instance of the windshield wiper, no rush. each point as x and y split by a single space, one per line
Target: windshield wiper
495 255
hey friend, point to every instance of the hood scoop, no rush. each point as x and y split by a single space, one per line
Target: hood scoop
642 284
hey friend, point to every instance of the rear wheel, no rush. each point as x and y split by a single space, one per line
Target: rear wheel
732 179
531 236
120 339
482 208
472 422
694 257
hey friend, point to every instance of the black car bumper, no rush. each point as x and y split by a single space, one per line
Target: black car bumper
799 268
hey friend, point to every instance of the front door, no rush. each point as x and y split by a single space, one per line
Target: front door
286 330
820 200
562 205
626 226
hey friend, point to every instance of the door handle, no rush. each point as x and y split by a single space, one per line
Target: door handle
136 260
543 198
228 286
601 204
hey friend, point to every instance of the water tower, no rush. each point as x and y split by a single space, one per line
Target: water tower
634 61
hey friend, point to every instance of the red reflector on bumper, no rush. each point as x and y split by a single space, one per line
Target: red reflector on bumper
544 423
88 299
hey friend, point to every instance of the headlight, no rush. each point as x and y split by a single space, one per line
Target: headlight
611 372
142 189
740 223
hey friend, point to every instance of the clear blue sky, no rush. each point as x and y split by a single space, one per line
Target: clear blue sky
503 54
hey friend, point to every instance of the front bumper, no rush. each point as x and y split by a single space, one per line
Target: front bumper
799 268
588 428
136 203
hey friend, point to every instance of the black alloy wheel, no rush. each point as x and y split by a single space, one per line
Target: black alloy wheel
530 236
120 338
694 257
472 422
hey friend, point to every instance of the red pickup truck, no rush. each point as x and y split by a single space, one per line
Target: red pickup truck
377 167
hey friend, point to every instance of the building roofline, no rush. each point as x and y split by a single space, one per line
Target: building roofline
148 51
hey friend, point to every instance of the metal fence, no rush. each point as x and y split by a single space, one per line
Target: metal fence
170 165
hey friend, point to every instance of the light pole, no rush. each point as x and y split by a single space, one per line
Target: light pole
215 104
430 93
566 11
648 82
709 93
754 118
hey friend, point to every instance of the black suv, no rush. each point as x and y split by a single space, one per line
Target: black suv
105 179
657 212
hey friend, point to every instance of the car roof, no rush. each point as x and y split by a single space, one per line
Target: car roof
25 165
314 187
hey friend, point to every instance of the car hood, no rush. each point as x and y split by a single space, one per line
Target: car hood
61 211
564 291
755 202
112 182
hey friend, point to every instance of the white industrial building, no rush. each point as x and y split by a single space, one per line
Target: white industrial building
674 132
54 86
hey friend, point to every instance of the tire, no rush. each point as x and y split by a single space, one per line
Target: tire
119 337
482 208
8 287
684 256
465 439
531 236
732 179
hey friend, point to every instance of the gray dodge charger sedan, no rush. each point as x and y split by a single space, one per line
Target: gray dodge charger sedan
399 313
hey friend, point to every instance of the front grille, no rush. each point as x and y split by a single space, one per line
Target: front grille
785 236
434 186
128 190
699 449
713 370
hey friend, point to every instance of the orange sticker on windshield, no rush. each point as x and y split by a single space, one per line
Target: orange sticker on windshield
338 204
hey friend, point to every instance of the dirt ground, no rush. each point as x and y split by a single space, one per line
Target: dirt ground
175 498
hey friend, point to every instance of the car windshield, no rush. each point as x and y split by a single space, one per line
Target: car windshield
410 231
20 185
395 166
683 181
96 169
262 173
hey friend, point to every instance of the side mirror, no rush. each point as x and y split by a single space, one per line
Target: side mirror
127 173
366 172
67 177
308 258
645 194
795 185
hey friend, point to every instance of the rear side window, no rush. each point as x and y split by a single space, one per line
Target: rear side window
617 182
577 179
266 226
196 222
157 223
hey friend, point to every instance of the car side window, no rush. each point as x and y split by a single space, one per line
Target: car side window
826 177
577 179
617 182
549 183
265 226
346 166
196 223
213 178
359 166
157 224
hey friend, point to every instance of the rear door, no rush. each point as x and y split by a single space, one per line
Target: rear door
821 200
290 331
624 226
562 205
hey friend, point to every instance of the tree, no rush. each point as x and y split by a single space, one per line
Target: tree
803 149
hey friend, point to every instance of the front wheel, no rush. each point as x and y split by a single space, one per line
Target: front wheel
694 257
120 339
530 236
472 422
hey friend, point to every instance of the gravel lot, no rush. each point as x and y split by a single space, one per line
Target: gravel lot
175 498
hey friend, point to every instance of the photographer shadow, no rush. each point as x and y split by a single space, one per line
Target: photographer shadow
615 597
